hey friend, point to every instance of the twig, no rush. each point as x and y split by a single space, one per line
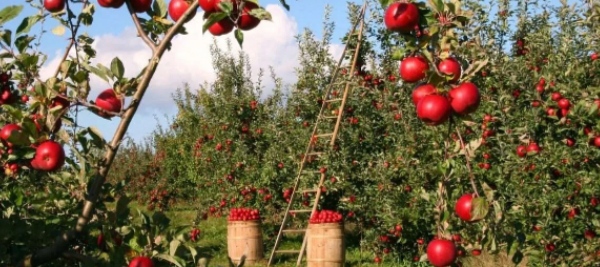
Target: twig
471 176
61 244
74 29
138 27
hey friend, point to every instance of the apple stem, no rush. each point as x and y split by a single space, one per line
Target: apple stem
471 176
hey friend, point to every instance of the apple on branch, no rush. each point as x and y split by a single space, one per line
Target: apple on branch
109 101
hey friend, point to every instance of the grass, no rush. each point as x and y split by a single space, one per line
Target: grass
213 244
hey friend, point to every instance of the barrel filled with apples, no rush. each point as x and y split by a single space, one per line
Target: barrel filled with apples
244 235
325 245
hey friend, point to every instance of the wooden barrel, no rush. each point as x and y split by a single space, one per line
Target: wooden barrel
325 245
244 238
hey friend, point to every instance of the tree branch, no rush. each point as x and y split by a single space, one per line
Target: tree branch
471 176
138 27
62 243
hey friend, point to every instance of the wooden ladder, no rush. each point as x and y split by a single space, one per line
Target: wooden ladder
310 149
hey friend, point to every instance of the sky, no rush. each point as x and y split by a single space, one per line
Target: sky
272 43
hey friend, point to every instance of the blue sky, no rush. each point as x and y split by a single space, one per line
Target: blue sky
113 28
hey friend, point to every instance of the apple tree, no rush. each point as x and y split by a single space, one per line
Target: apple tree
56 207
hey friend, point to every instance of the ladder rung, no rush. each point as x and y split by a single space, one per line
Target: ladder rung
288 251
309 191
333 100
300 211
311 171
294 230
314 153
324 135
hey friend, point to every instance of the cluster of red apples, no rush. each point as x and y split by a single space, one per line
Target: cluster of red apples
243 214
242 20
325 216
433 107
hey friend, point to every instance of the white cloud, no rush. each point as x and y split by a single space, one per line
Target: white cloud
272 43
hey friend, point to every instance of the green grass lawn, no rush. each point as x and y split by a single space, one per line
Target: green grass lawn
213 247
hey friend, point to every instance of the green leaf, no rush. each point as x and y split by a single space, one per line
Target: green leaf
517 257
169 258
239 37
6 37
285 5
22 43
480 209
226 6
116 66
98 72
385 3
212 19
173 246
87 15
160 8
27 23
10 12
261 14
97 138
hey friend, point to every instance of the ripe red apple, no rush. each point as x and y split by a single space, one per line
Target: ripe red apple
221 27
596 141
413 69
464 98
570 142
556 96
49 156
246 21
521 151
177 8
401 17
564 103
208 5
141 261
111 3
450 67
141 6
463 207
14 130
434 109
533 148
550 247
594 56
108 100
421 91
441 252
589 234
54 5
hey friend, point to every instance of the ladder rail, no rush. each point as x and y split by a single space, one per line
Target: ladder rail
310 146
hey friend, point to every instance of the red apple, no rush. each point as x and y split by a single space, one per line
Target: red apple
221 27
109 101
434 109
15 133
421 91
401 17
246 21
141 261
177 8
441 252
141 6
49 156
54 5
111 3
450 67
464 98
413 69
463 207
